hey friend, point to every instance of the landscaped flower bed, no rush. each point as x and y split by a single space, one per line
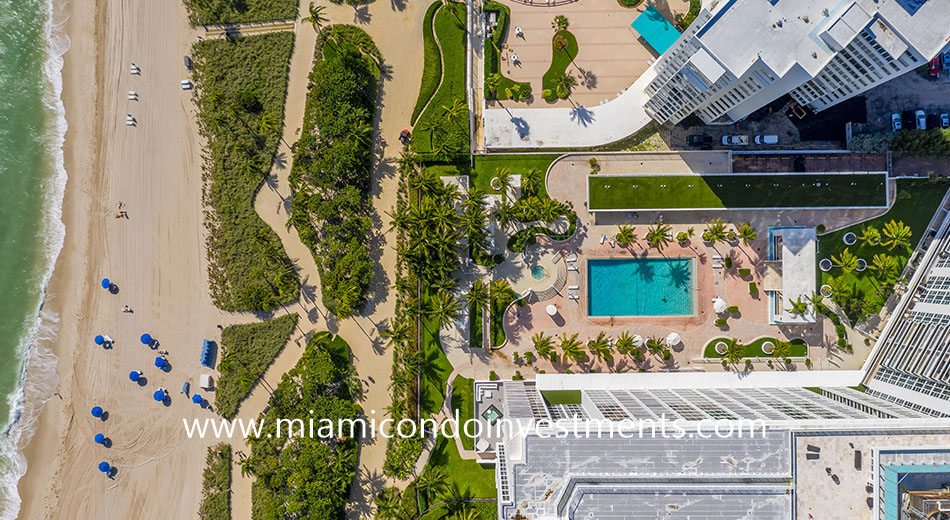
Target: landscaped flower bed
754 349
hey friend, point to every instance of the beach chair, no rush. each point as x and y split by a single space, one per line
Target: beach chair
603 238
572 268
613 243
573 287
133 95
572 259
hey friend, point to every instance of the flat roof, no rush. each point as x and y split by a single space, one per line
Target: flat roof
656 30
799 247
685 503
657 380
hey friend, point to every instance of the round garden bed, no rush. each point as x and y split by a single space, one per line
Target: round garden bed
825 264
849 238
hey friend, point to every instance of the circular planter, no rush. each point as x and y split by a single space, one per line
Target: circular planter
768 347
849 238
721 348
825 265
495 183
825 290
862 265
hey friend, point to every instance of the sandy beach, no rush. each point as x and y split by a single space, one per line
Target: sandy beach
157 258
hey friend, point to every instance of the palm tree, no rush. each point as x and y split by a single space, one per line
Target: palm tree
884 265
549 209
560 23
361 133
846 261
870 236
658 235
531 181
504 181
624 344
747 233
838 286
783 349
445 308
599 347
896 234
625 235
799 306
563 84
544 346
432 481
570 348
734 352
492 82
396 334
247 468
467 514
268 123
316 17
815 299
388 503
478 295
715 231
654 347
454 112
505 213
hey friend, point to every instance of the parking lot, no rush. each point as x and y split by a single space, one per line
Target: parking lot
908 93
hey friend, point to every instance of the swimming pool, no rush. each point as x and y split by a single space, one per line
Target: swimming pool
641 287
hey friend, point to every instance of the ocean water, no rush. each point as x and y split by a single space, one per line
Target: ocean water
32 180
640 287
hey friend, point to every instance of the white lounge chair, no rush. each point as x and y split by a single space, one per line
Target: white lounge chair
613 243
572 268
572 259
603 238
573 287
133 95
573 296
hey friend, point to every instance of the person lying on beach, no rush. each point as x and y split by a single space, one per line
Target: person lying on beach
127 309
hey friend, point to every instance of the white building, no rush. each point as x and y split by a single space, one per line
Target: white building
739 55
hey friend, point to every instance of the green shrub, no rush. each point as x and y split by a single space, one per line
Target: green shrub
246 352
492 376
727 261
682 22
216 484
753 288
548 95
745 271
241 85
667 355
733 309
720 322
820 228
220 12
525 92
332 162
517 376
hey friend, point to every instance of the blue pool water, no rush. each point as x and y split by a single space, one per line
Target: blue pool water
640 287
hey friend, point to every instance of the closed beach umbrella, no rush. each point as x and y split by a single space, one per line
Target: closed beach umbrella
146 339
105 467
673 339
106 283
197 399
159 362
97 411
159 395
719 305
637 340
134 375
100 438
99 339
551 309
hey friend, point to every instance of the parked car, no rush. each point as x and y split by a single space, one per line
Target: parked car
185 84
766 139
944 120
908 118
933 121
921 119
699 140
896 121
935 67
735 140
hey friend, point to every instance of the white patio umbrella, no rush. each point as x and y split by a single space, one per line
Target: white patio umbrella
719 305
552 309
637 340
673 339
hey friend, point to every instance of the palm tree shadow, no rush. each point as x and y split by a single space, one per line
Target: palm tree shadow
280 160
361 14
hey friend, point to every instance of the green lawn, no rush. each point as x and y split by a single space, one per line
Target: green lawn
475 327
230 11
613 192
560 59
754 349
435 132
246 352
463 395
432 66
444 512
492 56
473 479
500 300
555 397
917 201
486 167
436 368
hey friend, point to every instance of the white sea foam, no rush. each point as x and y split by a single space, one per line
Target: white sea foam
38 377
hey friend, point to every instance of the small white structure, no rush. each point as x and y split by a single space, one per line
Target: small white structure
637 340
673 339
185 84
205 381
719 305
551 309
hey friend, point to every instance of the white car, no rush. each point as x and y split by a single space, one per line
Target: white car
921 119
185 84
735 140
896 122
766 139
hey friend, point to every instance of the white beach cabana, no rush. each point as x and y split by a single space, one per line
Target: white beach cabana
719 305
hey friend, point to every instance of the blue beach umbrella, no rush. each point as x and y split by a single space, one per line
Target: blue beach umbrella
99 339
105 467
159 395
100 438
197 399
106 283
146 339
160 362
134 375
97 411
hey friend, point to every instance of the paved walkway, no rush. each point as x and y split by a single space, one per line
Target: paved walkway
569 127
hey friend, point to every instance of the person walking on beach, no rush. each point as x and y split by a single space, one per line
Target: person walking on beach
127 309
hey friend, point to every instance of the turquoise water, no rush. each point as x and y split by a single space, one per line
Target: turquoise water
640 287
656 30
31 234
538 272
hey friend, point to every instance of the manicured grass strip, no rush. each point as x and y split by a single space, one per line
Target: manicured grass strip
556 397
435 368
486 167
475 327
468 476
216 484
500 300
209 12
754 349
463 395
246 352
609 192
432 67
450 511
241 85
492 51
439 131
560 59
915 204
